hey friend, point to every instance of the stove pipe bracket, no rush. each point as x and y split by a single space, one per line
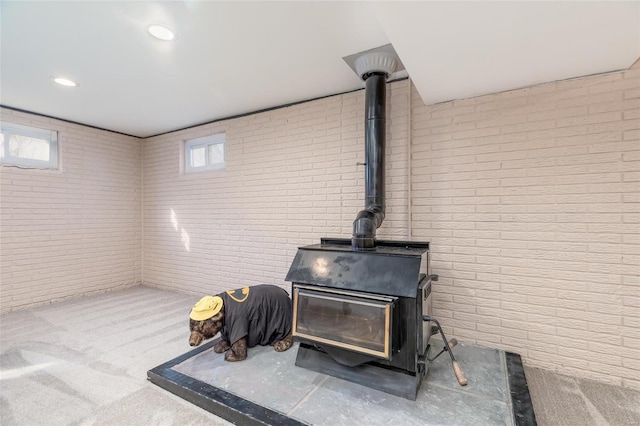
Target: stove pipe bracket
374 68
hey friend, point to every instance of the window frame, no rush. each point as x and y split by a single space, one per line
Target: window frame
50 136
205 141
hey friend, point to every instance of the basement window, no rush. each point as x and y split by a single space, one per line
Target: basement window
206 153
29 147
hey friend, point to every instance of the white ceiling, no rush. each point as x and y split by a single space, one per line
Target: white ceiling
231 58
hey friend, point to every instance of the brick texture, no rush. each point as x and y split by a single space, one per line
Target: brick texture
531 201
291 177
72 231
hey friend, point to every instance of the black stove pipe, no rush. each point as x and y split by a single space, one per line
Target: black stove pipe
369 219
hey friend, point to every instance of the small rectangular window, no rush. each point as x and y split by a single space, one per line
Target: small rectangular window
206 153
28 146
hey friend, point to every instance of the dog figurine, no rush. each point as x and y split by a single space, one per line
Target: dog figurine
246 317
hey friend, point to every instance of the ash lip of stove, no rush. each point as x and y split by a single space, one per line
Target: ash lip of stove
358 315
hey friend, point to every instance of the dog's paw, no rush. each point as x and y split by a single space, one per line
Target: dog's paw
221 346
284 344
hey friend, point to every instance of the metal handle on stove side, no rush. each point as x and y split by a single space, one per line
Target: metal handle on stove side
457 369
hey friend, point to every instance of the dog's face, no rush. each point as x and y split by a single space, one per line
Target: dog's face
203 330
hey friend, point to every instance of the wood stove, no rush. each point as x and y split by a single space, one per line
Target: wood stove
362 307
358 315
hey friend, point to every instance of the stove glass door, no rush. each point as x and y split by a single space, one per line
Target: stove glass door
349 320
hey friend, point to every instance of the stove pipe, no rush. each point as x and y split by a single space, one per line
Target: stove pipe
374 68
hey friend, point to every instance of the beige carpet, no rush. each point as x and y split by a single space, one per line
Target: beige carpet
85 361
568 401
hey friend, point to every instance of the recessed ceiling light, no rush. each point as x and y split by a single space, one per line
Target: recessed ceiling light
64 82
161 32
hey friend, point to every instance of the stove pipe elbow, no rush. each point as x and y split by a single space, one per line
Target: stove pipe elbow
364 228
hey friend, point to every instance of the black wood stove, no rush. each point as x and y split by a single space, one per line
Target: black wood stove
358 315
362 307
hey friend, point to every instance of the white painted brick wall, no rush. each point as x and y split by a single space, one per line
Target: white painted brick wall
531 201
72 231
291 178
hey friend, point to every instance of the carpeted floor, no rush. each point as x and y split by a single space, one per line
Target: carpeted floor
567 401
84 362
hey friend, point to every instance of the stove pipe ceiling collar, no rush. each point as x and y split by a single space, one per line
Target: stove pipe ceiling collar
374 68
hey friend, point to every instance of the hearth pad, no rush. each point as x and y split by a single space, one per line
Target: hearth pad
268 389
